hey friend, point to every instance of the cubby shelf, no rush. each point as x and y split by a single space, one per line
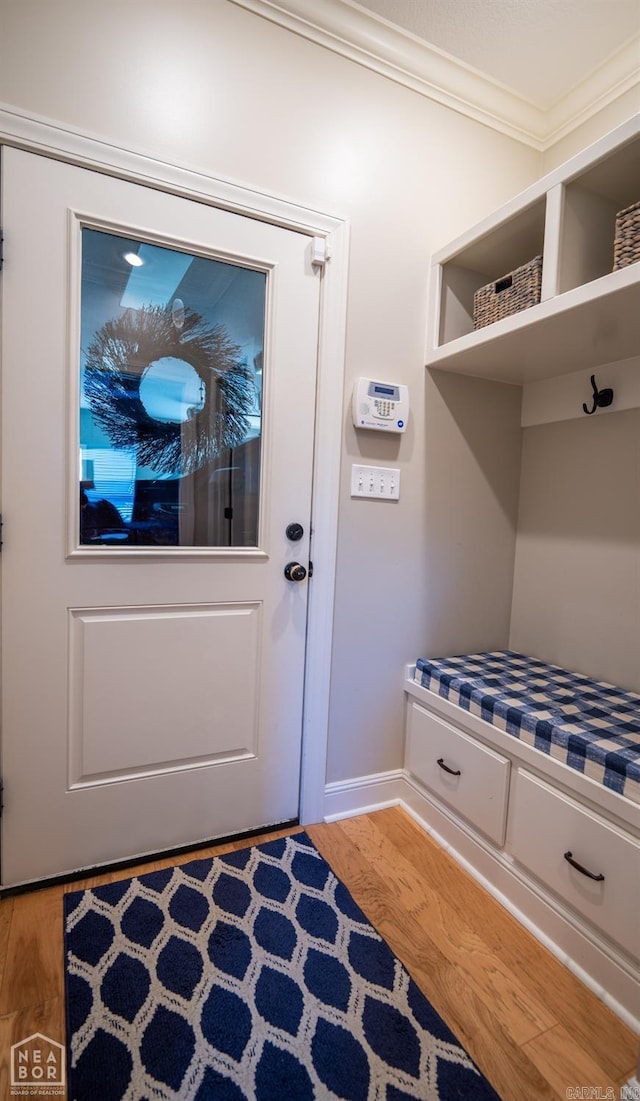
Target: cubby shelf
588 313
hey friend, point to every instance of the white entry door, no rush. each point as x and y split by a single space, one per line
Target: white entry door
158 389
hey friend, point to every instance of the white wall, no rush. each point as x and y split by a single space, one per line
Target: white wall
474 444
576 598
208 85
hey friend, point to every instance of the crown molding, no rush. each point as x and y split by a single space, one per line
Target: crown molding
353 33
617 76
400 56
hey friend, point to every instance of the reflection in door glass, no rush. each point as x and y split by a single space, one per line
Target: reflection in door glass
170 397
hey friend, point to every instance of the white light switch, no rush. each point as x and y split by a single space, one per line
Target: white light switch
382 482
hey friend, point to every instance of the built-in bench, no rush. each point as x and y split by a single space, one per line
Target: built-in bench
530 775
590 725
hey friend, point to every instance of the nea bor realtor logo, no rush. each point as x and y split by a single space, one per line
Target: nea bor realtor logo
37 1067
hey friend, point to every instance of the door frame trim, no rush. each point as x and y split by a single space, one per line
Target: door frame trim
52 139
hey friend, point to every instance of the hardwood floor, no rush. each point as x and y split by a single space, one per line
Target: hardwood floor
531 1027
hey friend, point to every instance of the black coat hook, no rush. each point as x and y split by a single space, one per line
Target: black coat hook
601 398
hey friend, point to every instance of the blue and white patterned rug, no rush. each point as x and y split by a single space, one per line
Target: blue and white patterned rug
248 976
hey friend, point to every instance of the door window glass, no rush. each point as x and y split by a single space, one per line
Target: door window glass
171 362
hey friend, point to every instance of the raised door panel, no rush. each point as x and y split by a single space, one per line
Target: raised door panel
158 688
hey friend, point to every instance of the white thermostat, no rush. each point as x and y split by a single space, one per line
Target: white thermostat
381 405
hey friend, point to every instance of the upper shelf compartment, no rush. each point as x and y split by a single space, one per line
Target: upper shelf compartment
588 314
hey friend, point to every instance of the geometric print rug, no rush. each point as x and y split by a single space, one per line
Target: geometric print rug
252 976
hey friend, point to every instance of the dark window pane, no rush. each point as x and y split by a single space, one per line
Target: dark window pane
170 396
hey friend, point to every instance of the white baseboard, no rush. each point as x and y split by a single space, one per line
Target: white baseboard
363 794
602 971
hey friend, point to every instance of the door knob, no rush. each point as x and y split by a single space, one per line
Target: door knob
293 571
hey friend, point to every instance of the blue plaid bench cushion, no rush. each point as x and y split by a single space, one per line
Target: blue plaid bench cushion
591 726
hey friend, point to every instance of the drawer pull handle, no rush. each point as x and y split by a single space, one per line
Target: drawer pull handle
451 771
579 868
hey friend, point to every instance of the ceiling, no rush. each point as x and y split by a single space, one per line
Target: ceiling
534 69
539 49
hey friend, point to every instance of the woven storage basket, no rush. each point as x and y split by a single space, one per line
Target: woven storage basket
514 292
626 247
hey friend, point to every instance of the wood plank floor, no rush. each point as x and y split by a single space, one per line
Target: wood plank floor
530 1026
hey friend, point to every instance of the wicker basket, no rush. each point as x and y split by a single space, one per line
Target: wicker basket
514 292
626 247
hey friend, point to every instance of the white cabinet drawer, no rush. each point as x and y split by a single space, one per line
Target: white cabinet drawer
471 778
545 824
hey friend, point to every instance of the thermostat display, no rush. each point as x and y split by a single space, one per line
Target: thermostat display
380 405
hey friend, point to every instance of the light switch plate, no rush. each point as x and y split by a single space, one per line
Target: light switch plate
381 482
